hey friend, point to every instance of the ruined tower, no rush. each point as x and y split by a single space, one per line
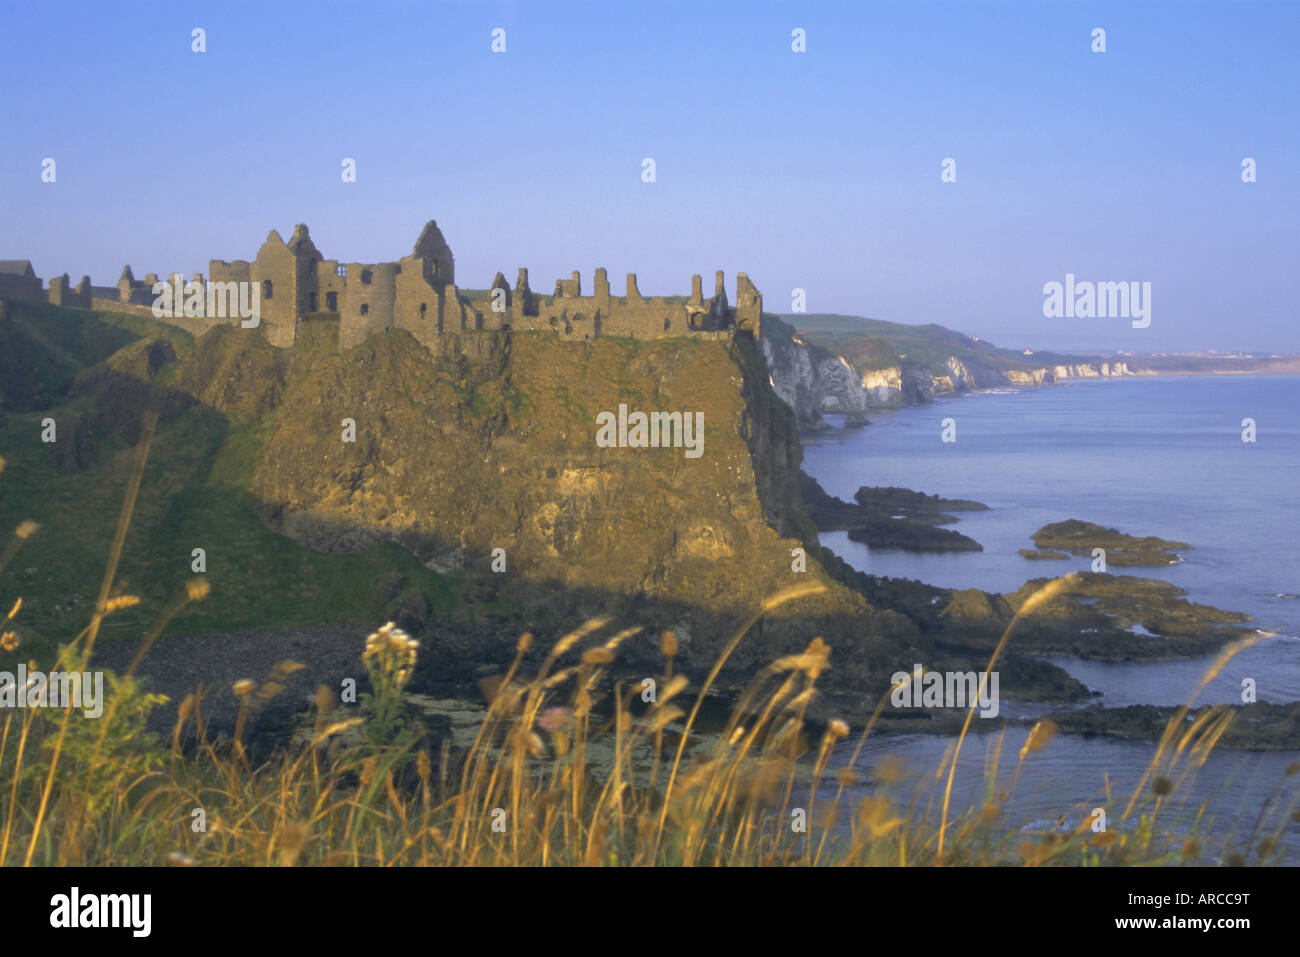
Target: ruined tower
431 246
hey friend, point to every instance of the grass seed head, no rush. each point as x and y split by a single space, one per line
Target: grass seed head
1039 736
120 602
597 656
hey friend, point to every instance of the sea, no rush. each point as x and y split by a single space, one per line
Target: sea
1162 456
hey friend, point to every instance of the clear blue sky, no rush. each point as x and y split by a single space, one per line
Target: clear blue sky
817 170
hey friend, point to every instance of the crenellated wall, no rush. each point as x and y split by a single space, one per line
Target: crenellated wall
60 294
633 316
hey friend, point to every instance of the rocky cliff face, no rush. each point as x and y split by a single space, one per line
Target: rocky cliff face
489 443
791 376
911 383
811 379
1090 370
884 387
1030 376
841 388
908 383
965 376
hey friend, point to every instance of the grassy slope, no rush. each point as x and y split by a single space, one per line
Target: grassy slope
42 348
875 344
193 495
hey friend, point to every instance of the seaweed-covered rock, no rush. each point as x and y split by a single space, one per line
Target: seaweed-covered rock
1080 538
912 535
1042 556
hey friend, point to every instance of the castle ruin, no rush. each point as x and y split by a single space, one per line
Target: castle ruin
418 293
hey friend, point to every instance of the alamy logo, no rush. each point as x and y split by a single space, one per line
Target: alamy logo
58 689
133 911
1098 300
214 300
945 689
653 430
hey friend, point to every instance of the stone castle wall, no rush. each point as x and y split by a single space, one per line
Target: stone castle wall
419 294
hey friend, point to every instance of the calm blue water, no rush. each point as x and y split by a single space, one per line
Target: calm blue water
1149 456
1073 775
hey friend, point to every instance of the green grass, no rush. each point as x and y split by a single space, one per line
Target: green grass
88 336
194 495
872 344
43 348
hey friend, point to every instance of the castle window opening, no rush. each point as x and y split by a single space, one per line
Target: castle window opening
342 270
424 307
268 290
332 301
365 277
311 302
365 309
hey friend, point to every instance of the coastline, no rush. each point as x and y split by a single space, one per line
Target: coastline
1014 387
1273 724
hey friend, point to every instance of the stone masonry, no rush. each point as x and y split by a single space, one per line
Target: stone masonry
418 293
